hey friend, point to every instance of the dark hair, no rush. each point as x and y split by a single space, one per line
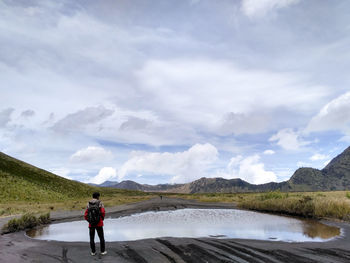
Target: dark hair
96 195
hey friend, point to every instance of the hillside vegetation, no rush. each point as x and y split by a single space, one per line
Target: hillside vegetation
26 188
22 181
332 204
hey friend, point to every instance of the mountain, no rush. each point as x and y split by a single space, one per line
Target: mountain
220 185
108 183
203 185
131 185
105 184
335 176
22 181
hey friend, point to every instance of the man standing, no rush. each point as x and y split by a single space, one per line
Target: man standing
95 214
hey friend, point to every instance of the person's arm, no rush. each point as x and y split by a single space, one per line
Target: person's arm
103 213
85 214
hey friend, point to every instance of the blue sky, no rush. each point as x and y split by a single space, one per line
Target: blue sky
171 91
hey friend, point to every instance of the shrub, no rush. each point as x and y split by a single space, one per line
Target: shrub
25 222
12 226
301 205
273 195
28 221
333 208
320 195
306 206
44 219
348 195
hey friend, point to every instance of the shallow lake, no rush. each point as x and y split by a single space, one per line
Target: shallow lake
219 223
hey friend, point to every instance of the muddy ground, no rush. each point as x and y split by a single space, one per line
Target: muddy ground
17 247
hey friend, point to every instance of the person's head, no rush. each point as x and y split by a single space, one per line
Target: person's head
96 195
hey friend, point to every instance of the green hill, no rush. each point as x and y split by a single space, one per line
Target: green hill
334 177
20 181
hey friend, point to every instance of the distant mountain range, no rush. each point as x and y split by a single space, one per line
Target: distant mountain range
20 181
131 185
335 176
105 184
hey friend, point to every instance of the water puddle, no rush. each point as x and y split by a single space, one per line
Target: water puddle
217 223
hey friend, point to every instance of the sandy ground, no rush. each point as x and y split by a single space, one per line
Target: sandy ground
17 247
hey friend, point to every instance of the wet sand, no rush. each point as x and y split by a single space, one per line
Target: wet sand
17 247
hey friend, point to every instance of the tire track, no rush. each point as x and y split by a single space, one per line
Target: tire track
193 253
244 255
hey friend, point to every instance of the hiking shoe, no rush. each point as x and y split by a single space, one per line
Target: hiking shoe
93 253
104 253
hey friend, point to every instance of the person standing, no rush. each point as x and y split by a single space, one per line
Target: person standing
95 214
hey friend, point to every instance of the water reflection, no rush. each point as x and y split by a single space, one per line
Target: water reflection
218 223
314 229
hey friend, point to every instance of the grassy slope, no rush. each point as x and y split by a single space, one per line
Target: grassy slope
21 181
25 188
332 204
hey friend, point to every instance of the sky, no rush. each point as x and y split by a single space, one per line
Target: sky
171 91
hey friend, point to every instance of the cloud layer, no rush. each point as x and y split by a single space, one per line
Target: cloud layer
91 154
250 169
289 139
184 166
173 91
335 115
259 8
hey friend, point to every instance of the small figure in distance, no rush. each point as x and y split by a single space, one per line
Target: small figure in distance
95 214
161 197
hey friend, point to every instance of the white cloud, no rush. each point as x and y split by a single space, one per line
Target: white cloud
106 173
258 8
345 138
269 152
184 166
198 92
63 172
143 127
135 123
335 115
91 154
5 116
27 113
250 169
81 119
176 85
238 123
288 139
303 164
318 157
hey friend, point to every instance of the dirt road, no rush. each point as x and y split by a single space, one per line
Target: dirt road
17 247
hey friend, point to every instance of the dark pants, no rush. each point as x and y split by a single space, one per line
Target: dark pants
100 235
